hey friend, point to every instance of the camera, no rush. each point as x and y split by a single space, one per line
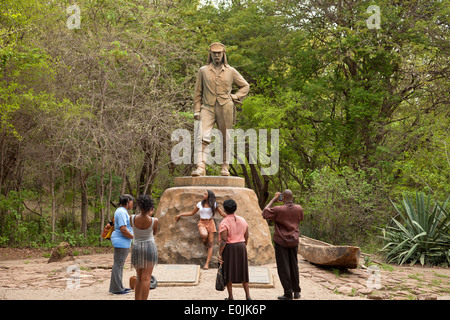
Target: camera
280 197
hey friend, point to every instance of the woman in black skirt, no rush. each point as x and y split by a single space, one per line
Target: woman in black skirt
233 236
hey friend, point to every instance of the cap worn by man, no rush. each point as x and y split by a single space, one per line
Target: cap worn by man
217 47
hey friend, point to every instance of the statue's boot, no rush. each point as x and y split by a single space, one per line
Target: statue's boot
224 171
200 171
200 158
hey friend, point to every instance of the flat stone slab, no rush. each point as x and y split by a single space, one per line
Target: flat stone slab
217 181
260 277
169 275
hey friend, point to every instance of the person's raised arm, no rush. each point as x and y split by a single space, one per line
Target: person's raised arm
269 212
186 214
275 199
221 212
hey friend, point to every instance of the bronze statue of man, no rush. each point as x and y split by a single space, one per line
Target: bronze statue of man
214 103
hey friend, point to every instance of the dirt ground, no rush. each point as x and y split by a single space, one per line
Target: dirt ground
26 276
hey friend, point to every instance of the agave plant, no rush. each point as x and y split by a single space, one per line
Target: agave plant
420 234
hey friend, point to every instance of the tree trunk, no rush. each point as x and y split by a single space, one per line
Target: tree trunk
52 187
108 203
84 203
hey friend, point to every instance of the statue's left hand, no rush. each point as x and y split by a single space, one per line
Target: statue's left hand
236 100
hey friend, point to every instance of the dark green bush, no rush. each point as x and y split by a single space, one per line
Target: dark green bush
420 233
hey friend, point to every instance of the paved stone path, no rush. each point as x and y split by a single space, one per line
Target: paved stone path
396 283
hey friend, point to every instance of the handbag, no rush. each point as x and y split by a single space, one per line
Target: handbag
109 228
153 282
220 281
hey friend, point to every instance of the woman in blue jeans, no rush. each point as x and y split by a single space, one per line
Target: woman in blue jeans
121 241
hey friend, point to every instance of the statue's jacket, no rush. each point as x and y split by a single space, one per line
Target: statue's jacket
211 86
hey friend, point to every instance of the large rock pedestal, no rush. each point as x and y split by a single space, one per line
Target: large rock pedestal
180 242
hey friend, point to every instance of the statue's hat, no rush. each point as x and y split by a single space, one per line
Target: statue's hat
216 47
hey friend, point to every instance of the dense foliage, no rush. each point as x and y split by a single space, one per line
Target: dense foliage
420 234
87 113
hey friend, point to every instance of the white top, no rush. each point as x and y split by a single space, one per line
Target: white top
205 213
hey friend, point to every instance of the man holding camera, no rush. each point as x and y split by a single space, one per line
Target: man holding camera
286 219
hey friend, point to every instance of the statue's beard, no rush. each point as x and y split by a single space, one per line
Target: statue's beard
211 59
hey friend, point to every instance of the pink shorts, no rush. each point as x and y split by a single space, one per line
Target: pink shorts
208 224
